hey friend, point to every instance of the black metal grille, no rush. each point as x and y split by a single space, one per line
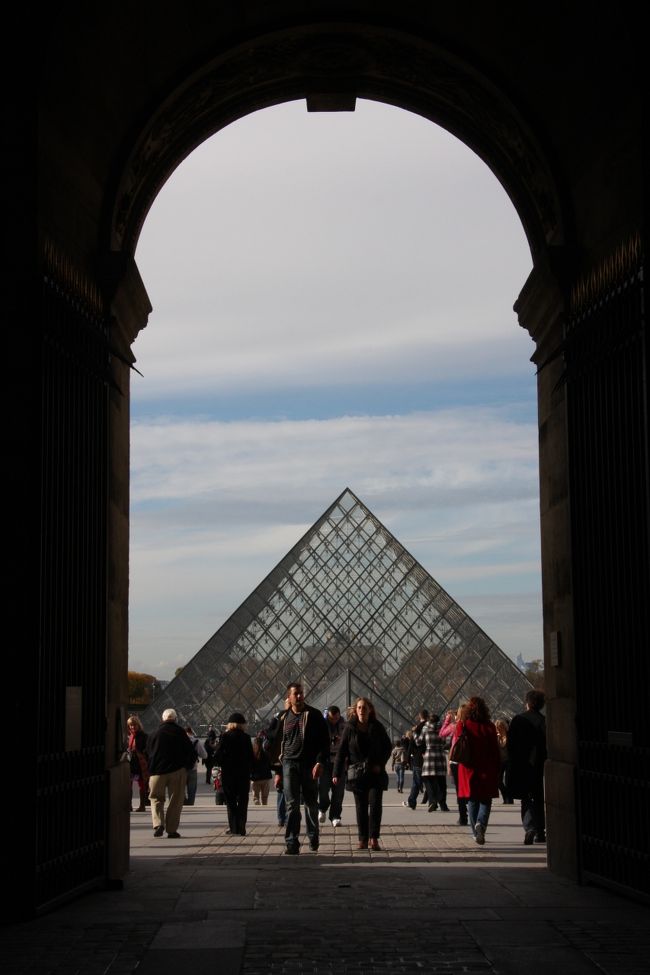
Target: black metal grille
606 354
71 782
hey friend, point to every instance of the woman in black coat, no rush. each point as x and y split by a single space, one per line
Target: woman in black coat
234 756
365 742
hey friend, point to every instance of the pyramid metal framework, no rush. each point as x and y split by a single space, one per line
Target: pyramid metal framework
347 597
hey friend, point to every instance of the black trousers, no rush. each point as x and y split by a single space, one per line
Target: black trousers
436 788
369 803
235 791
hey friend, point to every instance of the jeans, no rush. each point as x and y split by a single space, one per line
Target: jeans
330 796
399 775
297 777
281 808
191 786
532 810
479 812
416 786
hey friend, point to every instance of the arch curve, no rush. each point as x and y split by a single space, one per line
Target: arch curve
341 62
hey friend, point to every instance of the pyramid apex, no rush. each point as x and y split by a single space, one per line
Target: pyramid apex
348 597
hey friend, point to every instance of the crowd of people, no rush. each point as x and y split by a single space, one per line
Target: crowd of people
312 758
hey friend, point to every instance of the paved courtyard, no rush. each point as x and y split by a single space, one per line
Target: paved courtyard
430 901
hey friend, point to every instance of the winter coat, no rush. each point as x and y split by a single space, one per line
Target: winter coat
169 749
234 755
526 753
434 760
316 738
398 756
481 780
357 746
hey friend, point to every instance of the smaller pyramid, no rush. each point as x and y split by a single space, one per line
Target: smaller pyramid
347 597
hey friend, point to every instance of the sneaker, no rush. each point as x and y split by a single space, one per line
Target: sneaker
479 834
336 823
322 818
529 837
405 803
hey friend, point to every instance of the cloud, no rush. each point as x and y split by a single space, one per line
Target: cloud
371 260
216 505
276 255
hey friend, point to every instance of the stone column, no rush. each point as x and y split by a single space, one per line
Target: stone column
540 309
130 308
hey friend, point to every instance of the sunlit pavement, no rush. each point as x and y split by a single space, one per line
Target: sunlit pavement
430 900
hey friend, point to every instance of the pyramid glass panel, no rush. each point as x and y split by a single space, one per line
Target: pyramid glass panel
347 607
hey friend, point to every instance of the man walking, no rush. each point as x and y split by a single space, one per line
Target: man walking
303 741
330 796
527 754
171 754
415 759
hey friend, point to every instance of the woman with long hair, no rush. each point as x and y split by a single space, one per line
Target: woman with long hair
478 776
449 730
366 747
138 762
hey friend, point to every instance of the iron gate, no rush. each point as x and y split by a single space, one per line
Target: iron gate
606 357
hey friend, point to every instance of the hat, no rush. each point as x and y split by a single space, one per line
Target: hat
236 718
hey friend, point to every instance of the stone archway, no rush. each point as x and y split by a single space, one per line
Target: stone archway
124 101
329 69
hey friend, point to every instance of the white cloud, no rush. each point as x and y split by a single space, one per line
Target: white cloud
215 506
295 251
277 255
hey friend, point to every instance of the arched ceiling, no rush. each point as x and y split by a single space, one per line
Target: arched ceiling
330 66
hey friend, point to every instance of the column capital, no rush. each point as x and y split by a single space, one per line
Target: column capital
127 299
543 299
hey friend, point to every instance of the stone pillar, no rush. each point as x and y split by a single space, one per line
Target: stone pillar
540 309
130 308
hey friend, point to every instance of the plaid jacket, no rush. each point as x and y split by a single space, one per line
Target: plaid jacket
435 760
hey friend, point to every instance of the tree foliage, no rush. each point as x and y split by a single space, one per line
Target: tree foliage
140 687
534 671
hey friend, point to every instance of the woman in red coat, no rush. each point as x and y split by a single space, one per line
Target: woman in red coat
478 781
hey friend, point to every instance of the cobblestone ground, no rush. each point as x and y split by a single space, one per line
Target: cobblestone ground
429 901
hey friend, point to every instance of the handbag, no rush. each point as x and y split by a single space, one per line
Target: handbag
356 772
461 750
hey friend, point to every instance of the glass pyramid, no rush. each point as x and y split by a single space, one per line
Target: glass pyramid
348 598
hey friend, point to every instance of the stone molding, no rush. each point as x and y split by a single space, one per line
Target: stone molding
352 61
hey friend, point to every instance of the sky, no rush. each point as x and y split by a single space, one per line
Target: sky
332 307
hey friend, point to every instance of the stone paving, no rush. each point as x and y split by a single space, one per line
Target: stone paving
430 901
